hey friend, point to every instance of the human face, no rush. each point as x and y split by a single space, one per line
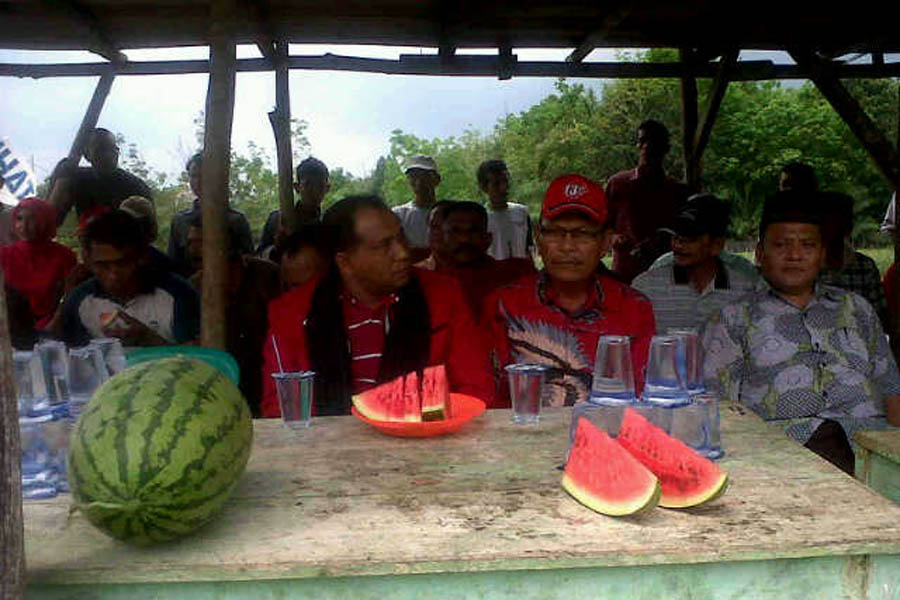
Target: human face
195 178
652 149
103 152
312 189
790 255
423 182
571 246
26 225
497 187
301 267
116 269
194 245
380 264
692 251
465 239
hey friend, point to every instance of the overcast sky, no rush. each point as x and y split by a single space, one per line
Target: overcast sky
350 115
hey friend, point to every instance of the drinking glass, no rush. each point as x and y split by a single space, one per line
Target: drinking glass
526 388
613 372
664 383
295 397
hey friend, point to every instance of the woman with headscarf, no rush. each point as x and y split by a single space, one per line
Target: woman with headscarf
35 265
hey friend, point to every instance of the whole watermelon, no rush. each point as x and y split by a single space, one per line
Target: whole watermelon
158 450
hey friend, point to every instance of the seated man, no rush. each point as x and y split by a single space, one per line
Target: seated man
556 317
140 306
103 184
459 249
698 285
304 255
250 285
810 357
845 267
372 317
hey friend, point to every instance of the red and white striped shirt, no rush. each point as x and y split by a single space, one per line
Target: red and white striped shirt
366 333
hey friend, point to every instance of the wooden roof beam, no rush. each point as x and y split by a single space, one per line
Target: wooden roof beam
261 23
102 43
595 37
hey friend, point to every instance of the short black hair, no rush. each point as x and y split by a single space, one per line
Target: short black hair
312 167
467 206
341 216
117 229
439 208
655 129
317 236
803 174
488 168
196 158
232 235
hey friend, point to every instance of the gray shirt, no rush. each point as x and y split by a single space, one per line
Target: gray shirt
414 219
677 304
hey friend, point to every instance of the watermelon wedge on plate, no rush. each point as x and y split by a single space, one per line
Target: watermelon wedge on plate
687 479
605 477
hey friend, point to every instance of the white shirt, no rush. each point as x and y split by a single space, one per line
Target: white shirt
415 223
510 228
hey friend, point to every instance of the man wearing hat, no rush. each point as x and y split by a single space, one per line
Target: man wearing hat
556 317
698 284
422 174
807 356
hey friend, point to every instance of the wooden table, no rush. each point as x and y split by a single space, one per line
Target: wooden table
878 462
341 511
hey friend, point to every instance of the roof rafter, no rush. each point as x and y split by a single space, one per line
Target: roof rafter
595 37
102 44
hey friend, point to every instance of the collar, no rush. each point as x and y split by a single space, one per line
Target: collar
384 304
592 308
821 292
149 280
720 281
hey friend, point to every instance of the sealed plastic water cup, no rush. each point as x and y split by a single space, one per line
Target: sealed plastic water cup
87 372
39 478
697 425
295 397
54 363
113 355
526 388
664 384
28 389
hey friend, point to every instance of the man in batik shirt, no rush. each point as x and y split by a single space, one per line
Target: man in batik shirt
556 317
807 356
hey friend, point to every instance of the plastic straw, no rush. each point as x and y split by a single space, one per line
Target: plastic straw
277 354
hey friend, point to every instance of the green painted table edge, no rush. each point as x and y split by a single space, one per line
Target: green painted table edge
884 442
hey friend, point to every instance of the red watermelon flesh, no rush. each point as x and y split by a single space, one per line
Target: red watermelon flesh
382 403
435 394
412 398
687 479
605 477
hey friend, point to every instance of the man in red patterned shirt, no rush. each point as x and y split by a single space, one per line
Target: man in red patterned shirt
372 317
556 317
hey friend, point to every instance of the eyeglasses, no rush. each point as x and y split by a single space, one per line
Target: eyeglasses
557 235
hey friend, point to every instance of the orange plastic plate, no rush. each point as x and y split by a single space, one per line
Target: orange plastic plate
464 409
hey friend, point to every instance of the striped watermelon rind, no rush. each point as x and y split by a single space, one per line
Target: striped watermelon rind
605 477
686 478
158 450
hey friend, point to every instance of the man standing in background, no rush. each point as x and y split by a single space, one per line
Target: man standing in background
642 201
422 174
508 222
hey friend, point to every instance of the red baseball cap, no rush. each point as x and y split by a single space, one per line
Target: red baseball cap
574 193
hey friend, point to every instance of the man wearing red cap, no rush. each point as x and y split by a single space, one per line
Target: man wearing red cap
556 316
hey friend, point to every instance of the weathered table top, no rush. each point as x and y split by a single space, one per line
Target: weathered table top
342 499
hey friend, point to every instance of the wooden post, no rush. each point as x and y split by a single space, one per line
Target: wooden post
216 159
91 116
280 118
716 95
895 318
689 119
12 534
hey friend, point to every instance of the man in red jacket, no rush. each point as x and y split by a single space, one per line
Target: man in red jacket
372 317
556 317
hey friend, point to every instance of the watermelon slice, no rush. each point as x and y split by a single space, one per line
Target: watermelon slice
383 402
435 394
687 479
604 477
412 398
